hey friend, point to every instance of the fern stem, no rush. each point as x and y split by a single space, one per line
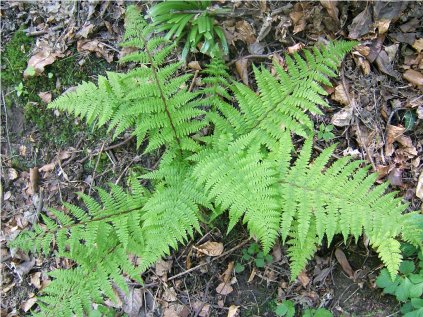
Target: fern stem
162 96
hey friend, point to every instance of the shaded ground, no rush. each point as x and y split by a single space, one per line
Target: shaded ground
376 116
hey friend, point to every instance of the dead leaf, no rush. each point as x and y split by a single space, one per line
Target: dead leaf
85 30
224 288
94 46
304 279
163 267
12 174
38 62
252 275
298 20
362 62
174 310
418 45
28 304
24 268
342 118
241 66
226 276
295 48
383 25
169 295
361 24
202 309
340 95
419 188
195 65
265 28
244 32
36 280
45 96
331 7
233 311
22 150
210 248
414 77
277 252
395 177
392 133
47 167
342 259
34 178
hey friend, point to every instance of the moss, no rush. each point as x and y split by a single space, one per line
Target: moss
14 58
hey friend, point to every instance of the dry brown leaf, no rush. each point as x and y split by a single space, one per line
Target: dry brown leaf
202 309
392 133
34 178
414 77
395 177
419 188
342 118
304 279
38 62
295 48
210 248
340 95
244 32
195 65
48 167
36 280
361 24
407 145
241 66
175 310
23 269
12 174
28 304
252 275
22 150
163 267
418 45
45 96
226 276
169 295
383 25
330 6
277 252
342 259
94 46
298 20
233 311
224 288
85 30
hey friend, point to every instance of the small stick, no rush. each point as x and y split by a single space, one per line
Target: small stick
95 168
193 80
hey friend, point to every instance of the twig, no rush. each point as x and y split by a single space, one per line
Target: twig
193 80
6 123
108 148
41 32
206 263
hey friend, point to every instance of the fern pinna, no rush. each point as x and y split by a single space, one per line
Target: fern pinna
243 163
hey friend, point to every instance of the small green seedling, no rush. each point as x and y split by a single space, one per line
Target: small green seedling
286 309
320 312
20 90
325 132
253 253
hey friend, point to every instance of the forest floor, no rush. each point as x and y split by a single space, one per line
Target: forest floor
376 115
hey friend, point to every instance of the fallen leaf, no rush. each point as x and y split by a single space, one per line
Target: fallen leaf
210 248
418 45
419 188
304 279
47 167
233 311
22 150
226 276
340 95
298 20
7 195
244 32
342 260
202 309
45 96
414 77
85 30
392 133
277 252
169 295
342 118
163 267
224 288
295 48
38 62
94 46
12 174
383 25
195 65
28 304
36 280
241 66
265 28
252 275
34 178
331 7
361 24
395 177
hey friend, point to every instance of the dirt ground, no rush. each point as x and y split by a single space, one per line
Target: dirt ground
47 156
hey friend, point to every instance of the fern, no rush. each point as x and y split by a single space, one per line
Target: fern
243 163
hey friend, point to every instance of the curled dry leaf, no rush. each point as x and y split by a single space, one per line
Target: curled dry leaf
298 20
244 32
331 7
202 309
340 95
45 96
210 248
342 118
342 259
94 46
395 177
252 275
392 133
295 48
361 24
241 66
28 304
226 276
12 174
414 77
304 279
163 267
233 311
38 62
419 189
169 295
36 280
195 65
224 288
